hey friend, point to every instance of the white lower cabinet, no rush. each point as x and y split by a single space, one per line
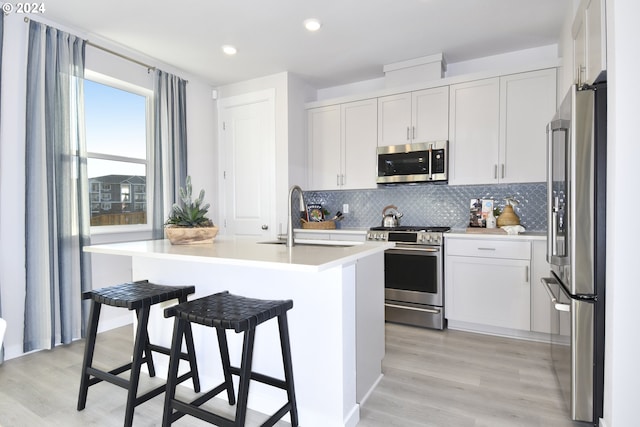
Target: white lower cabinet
493 286
488 282
540 303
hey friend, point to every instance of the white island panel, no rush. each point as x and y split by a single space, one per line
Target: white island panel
336 324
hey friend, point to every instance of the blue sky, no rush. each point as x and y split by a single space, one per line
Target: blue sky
115 122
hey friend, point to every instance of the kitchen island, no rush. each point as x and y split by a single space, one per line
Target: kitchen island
336 325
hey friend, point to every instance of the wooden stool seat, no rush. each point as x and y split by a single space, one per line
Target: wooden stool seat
139 296
227 311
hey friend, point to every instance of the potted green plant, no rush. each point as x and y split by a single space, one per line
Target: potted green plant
188 224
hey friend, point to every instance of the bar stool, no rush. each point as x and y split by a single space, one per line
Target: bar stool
227 311
139 296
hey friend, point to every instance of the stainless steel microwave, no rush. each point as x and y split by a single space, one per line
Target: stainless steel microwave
409 163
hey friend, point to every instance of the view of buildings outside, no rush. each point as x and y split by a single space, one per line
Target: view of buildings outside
118 200
116 134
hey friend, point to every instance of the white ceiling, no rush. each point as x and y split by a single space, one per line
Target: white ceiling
357 38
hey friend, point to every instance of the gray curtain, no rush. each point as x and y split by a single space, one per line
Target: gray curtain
56 210
169 162
1 34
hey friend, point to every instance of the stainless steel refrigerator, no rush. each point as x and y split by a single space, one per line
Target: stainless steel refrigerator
576 203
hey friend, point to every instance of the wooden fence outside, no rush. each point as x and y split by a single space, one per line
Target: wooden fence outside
125 218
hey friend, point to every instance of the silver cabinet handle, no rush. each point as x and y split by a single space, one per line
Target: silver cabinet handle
502 168
495 171
413 132
404 307
486 249
526 274
338 180
408 133
265 227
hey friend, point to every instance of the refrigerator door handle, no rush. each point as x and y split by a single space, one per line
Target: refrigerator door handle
559 125
547 281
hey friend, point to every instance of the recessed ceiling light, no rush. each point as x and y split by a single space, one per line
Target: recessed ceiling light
229 50
312 24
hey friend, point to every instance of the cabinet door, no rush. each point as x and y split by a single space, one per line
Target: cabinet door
596 39
527 103
579 33
488 291
324 147
359 136
589 41
474 132
394 119
430 115
541 309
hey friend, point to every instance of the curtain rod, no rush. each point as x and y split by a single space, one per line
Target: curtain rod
119 55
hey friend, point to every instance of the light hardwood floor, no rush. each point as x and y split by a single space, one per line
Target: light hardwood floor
432 378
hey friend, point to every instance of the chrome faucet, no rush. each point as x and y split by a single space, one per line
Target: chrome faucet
303 208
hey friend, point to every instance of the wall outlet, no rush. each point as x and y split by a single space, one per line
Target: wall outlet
345 208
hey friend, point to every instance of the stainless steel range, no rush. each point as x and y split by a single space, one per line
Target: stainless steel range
414 274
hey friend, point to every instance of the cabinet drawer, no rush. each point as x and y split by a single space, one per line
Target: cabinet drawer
489 248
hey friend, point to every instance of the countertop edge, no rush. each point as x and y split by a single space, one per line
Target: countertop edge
535 235
130 249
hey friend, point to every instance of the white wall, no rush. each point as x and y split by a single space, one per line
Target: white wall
540 56
201 134
12 182
622 375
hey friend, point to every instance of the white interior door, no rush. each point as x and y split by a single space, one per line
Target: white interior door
247 153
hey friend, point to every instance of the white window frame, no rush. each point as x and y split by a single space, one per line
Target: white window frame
148 94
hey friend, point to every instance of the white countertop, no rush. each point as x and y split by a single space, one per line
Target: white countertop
247 252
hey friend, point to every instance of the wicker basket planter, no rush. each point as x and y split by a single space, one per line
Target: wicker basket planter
190 235
322 225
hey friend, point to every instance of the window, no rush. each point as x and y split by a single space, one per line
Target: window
117 123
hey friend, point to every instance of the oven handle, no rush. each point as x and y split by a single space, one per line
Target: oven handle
413 248
547 281
404 307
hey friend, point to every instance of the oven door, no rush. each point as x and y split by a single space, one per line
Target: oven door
414 275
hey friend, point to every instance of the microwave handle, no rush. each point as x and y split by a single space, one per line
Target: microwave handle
430 162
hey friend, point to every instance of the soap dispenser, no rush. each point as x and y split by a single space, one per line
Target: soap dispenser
491 220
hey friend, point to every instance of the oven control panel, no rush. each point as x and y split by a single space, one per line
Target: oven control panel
416 238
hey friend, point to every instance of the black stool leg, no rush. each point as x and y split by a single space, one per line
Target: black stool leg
172 375
147 351
288 366
245 376
92 331
226 365
138 348
191 352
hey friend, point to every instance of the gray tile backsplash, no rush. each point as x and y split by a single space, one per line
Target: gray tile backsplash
433 204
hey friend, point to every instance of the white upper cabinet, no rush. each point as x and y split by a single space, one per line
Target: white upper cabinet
410 117
498 128
474 121
589 41
527 104
324 147
359 135
342 146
